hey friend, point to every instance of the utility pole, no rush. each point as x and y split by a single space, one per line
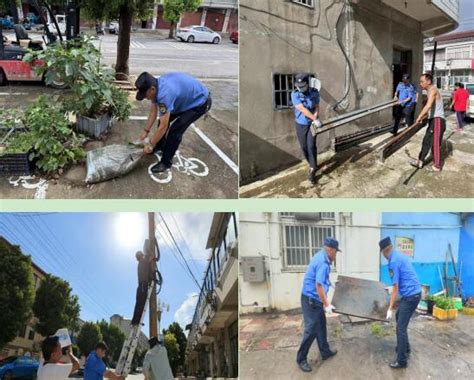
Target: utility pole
151 246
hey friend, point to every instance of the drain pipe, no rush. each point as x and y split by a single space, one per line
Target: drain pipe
271 293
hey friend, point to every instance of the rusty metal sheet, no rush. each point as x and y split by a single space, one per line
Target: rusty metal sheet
361 298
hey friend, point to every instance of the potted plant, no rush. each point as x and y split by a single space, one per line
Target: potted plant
52 144
95 100
444 308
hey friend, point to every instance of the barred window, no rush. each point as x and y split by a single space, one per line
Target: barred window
283 85
308 3
302 241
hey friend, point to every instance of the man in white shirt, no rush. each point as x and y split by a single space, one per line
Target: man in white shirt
52 368
156 365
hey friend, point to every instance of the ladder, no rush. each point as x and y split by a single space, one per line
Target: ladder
130 345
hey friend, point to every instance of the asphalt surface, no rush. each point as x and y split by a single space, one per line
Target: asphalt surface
213 140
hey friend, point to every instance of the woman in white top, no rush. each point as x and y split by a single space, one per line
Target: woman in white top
52 368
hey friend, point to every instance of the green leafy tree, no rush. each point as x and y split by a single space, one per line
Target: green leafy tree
124 11
16 290
178 332
172 346
138 358
113 337
55 306
174 9
88 337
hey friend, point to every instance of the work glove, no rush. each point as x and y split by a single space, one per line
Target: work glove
329 308
389 314
317 123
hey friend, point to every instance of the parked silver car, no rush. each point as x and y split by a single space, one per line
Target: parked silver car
196 33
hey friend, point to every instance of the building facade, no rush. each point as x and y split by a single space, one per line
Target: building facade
454 58
275 249
358 49
212 346
219 15
27 341
124 325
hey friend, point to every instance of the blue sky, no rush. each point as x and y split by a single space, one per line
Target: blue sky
95 252
466 15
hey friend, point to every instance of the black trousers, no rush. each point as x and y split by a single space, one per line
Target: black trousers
432 140
407 112
140 301
307 144
181 121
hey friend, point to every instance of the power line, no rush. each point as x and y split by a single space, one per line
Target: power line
193 260
179 250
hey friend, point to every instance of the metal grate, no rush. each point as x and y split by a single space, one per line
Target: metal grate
324 215
302 241
308 3
282 87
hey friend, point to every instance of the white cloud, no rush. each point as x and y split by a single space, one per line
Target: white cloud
184 314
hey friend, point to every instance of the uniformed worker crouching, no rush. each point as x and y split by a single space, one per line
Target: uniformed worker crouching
180 100
405 282
315 303
306 102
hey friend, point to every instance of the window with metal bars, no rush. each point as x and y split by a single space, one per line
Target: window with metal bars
324 215
283 85
308 3
302 241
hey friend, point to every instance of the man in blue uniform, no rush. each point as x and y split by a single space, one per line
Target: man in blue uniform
95 368
306 103
405 282
314 303
407 96
180 100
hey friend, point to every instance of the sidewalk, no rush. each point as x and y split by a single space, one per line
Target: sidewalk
440 350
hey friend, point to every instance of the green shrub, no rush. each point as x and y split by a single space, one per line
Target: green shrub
444 303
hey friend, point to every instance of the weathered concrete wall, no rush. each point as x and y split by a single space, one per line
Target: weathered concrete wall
283 37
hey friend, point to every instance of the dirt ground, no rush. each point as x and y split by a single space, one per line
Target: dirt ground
440 350
219 126
357 172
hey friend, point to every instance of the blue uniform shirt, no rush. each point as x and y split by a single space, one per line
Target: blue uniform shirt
94 368
309 100
179 92
317 272
402 273
405 92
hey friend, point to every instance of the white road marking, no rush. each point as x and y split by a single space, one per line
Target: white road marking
137 45
217 62
216 149
208 141
13 93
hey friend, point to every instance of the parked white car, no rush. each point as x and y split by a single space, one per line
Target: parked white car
196 33
470 107
114 27
61 20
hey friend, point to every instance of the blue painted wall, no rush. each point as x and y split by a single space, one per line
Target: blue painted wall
431 232
466 256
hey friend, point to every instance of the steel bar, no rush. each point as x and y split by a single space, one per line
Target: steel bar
344 142
361 298
355 115
400 140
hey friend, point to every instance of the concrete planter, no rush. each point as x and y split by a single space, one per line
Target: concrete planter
93 127
444 315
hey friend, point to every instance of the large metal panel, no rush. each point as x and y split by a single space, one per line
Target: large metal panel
361 298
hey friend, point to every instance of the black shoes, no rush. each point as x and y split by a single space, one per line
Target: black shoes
159 168
397 365
331 354
305 367
312 176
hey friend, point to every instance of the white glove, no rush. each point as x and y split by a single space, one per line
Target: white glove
389 314
329 308
317 123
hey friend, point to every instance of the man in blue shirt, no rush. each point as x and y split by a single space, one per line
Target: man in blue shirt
407 96
314 303
306 103
180 100
405 282
95 368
